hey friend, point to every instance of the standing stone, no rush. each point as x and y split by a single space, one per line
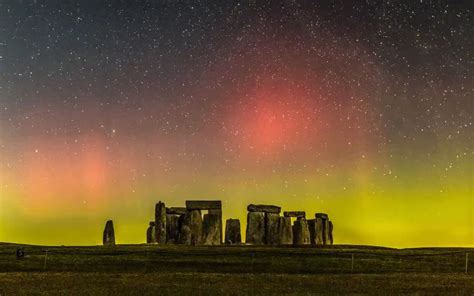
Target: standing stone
271 229
172 228
193 220
151 233
312 231
285 231
326 240
255 233
319 232
211 234
232 232
185 235
108 238
218 212
301 232
331 238
160 222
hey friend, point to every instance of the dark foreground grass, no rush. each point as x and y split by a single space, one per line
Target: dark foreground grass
180 270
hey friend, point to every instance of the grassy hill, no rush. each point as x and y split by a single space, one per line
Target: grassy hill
233 270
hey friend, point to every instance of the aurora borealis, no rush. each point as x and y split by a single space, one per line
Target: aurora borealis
363 111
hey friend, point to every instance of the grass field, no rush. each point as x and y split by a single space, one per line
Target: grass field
179 270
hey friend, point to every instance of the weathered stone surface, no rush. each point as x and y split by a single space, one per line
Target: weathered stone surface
218 212
232 232
264 208
295 214
321 215
211 234
271 229
255 233
203 204
108 238
160 222
193 220
312 231
185 235
326 240
319 232
301 232
172 228
331 238
285 231
176 210
151 234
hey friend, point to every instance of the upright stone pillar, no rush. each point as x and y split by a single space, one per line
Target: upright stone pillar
312 231
331 238
232 232
108 238
160 222
271 229
193 220
255 233
172 228
218 213
301 232
285 231
211 234
151 233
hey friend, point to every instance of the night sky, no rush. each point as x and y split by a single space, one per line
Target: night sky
363 111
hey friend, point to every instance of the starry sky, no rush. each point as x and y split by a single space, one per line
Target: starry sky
363 111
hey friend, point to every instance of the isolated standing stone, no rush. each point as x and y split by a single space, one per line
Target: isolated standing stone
232 232
211 234
193 220
301 232
151 233
264 208
109 234
331 238
319 232
285 231
160 222
271 229
172 228
255 233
